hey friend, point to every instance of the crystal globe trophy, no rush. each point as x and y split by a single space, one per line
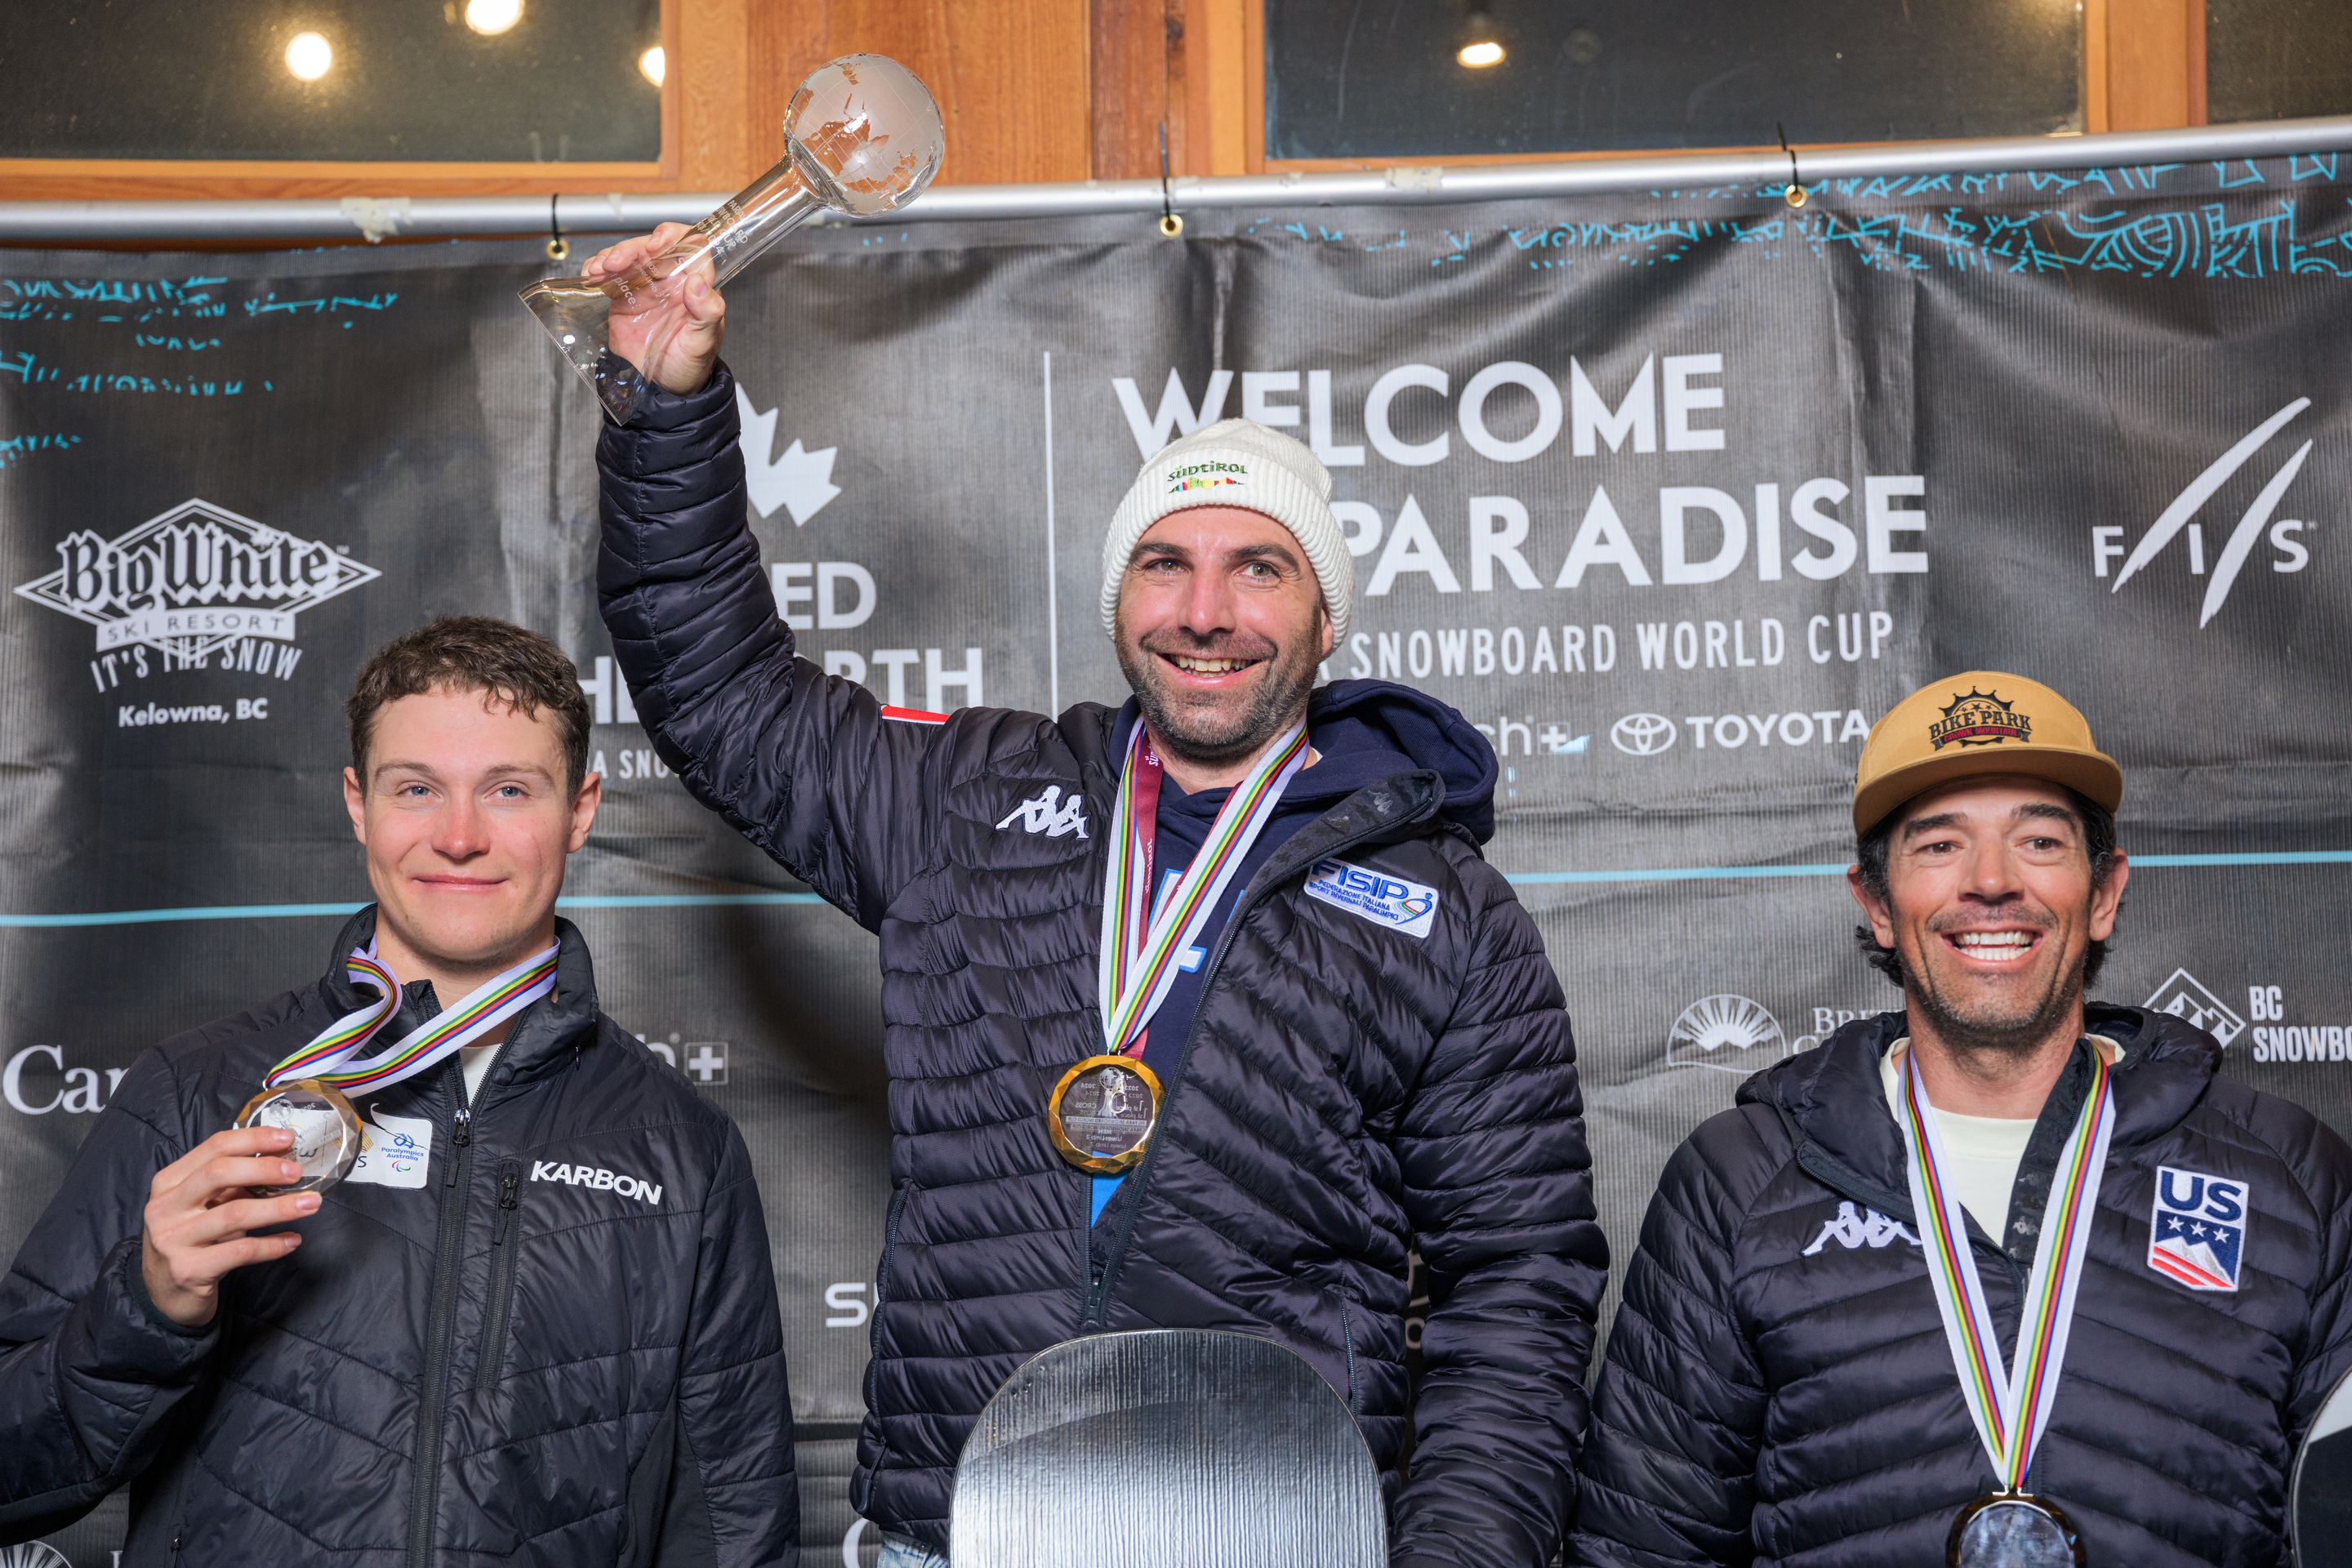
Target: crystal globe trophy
861 137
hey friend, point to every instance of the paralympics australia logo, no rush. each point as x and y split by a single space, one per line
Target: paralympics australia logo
2259 524
1729 1033
196 581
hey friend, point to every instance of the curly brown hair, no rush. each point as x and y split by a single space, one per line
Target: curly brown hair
474 652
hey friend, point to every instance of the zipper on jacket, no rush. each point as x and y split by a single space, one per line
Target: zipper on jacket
504 1245
1098 1280
425 1496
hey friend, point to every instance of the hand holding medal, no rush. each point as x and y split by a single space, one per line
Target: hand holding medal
307 1095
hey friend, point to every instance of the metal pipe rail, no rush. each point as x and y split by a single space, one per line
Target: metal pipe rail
53 223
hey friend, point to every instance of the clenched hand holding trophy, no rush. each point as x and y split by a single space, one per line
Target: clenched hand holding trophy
861 137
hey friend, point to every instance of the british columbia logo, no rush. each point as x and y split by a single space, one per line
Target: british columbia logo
191 583
1979 719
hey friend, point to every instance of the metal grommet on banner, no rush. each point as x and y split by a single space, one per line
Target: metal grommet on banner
1171 222
1793 192
558 247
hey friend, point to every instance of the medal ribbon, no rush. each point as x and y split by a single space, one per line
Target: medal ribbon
1139 945
429 1044
2009 1406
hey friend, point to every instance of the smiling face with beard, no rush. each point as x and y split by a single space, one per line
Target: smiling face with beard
1990 900
1220 628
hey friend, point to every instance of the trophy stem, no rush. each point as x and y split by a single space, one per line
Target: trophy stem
578 314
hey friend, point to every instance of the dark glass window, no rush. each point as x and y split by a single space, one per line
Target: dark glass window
2277 59
1381 79
397 80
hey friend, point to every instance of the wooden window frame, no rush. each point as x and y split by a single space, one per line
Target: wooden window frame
699 125
2143 70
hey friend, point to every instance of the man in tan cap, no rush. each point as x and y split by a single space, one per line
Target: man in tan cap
2004 1279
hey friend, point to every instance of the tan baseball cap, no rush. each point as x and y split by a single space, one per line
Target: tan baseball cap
1975 724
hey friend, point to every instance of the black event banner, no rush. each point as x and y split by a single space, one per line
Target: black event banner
1670 494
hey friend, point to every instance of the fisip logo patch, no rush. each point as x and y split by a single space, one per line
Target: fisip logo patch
197 587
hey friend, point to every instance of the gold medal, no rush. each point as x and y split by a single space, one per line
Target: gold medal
1102 1113
327 1133
2013 1530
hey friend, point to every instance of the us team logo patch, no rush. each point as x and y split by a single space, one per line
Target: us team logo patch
2198 1235
1377 897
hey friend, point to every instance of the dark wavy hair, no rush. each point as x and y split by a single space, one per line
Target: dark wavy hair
2098 825
474 652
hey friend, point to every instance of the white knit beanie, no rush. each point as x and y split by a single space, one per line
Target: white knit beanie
1236 462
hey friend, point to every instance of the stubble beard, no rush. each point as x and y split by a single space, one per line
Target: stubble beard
1216 736
1993 1033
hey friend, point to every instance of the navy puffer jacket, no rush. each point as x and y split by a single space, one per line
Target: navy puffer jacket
553 1343
1778 1388
1348 1090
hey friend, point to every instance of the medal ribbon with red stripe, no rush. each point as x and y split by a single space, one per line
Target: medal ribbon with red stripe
429 1044
2009 1406
1139 946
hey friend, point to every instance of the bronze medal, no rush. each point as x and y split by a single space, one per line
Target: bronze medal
2013 1530
1101 1114
327 1133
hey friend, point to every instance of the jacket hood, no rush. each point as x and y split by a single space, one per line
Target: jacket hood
543 1034
1367 732
1834 1100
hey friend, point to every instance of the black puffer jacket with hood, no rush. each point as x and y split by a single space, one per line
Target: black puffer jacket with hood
555 1343
1778 1389
1349 1088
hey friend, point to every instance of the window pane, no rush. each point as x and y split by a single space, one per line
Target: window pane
2277 59
434 80
1372 79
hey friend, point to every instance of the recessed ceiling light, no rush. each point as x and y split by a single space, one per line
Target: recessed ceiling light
492 16
310 56
1479 56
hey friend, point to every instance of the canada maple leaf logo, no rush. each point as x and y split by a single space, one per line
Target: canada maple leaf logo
798 479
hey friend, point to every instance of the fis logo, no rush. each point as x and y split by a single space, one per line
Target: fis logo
1856 1230
1375 895
2198 1235
598 1179
1049 814
2289 554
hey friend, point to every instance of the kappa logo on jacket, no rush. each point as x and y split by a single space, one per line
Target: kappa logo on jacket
1855 1230
2198 1233
1049 814
599 1179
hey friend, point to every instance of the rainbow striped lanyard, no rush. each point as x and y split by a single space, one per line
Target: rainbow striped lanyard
2009 1406
481 1010
1139 944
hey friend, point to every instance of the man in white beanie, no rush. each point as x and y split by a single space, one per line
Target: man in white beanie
1201 1012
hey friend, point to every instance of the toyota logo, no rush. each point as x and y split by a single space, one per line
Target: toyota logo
1641 734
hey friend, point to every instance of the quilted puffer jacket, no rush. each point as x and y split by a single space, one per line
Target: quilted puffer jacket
556 1343
1349 1088
1778 1388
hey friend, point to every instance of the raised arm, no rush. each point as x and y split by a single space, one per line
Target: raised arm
808 766
1499 1184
